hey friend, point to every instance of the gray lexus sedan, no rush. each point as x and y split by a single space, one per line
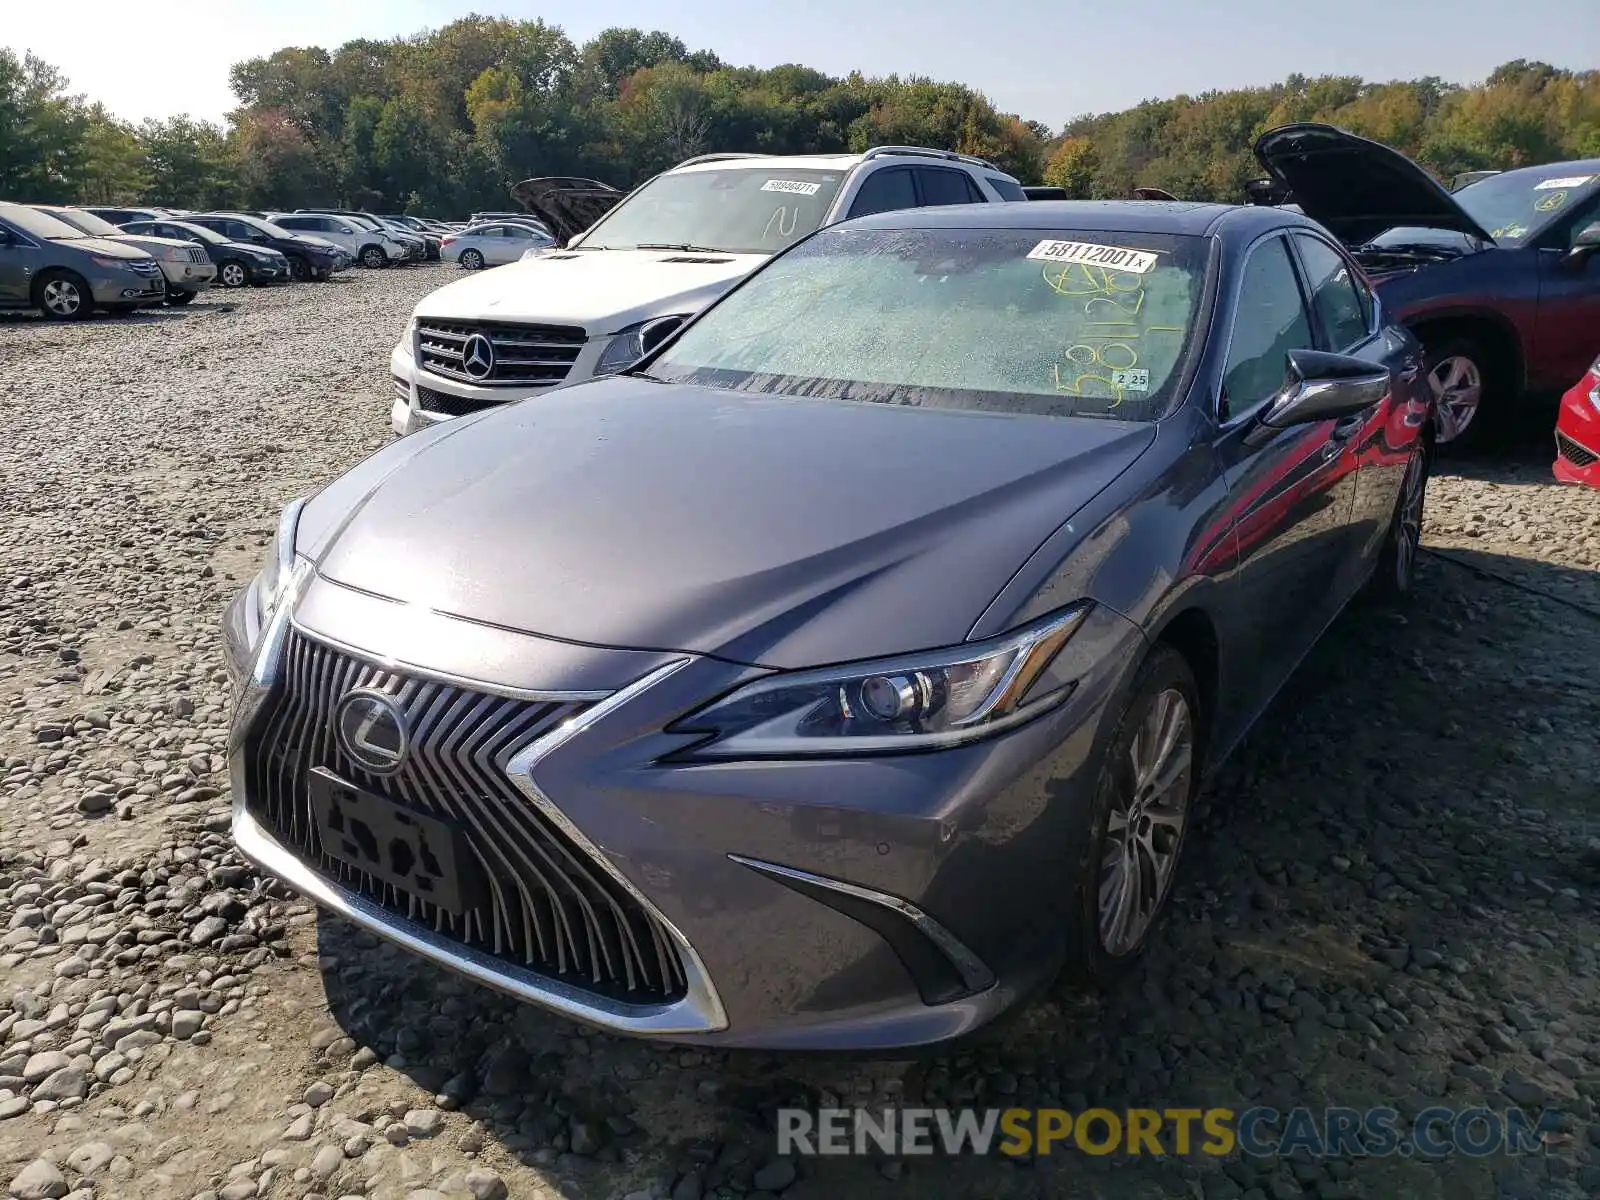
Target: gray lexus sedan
846 668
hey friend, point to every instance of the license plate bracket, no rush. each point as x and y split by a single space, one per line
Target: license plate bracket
414 851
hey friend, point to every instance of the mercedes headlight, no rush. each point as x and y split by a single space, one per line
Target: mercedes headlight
633 343
922 701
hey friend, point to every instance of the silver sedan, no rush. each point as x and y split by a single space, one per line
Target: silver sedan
492 244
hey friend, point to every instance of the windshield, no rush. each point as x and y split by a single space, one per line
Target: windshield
739 211
199 232
86 222
1515 206
1018 321
40 225
267 227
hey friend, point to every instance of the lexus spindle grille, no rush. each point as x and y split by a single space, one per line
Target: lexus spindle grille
544 904
523 355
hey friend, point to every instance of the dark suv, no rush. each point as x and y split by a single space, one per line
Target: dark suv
1498 280
309 257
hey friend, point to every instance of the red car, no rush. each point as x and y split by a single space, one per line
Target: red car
1578 431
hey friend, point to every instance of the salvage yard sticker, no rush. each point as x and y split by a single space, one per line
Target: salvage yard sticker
798 186
1131 380
1570 181
1092 254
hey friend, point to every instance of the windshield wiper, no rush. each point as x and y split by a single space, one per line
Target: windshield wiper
681 247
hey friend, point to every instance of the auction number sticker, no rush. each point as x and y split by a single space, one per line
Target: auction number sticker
1093 254
1569 181
1131 380
798 187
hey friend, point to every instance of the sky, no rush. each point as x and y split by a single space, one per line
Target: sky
1042 59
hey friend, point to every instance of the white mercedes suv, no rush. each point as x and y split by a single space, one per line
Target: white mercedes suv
672 246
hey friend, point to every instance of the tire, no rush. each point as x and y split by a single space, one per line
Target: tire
299 269
1102 947
472 260
1461 376
179 298
373 256
62 296
231 273
1397 562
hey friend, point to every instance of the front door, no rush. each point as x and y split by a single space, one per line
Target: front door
1291 491
1566 339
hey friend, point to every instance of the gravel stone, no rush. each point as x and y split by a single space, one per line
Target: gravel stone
41 1179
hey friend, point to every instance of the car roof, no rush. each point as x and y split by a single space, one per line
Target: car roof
1108 216
834 162
1580 166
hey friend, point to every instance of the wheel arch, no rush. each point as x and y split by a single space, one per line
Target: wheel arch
1484 327
36 291
1193 634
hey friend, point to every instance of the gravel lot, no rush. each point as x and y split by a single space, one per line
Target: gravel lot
1394 899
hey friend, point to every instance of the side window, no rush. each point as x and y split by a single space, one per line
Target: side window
1008 189
1271 320
885 191
1335 293
240 232
942 185
518 233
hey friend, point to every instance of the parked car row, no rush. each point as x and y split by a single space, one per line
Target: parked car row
68 261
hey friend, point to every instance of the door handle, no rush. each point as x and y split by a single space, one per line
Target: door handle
1345 429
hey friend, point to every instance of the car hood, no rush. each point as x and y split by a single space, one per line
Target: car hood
1355 187
778 531
312 241
602 290
567 204
109 247
145 240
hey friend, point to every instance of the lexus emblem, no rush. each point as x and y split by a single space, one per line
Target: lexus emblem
372 730
477 356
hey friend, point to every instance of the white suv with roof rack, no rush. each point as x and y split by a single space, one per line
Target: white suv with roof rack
671 247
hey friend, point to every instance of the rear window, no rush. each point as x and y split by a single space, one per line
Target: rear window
1053 322
1009 189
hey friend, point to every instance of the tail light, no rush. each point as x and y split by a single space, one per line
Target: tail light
447 239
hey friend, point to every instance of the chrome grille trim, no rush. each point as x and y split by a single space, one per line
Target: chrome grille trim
554 906
524 355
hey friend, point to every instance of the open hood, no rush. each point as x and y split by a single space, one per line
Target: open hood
566 203
1355 187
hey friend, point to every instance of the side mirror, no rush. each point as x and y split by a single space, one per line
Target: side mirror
657 331
345 229
1318 386
5 237
1585 244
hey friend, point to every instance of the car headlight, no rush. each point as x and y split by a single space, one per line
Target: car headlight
278 573
633 343
114 264
1594 391
919 702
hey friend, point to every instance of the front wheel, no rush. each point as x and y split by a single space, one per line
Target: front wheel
1458 377
62 296
232 274
374 256
178 298
472 260
299 270
1138 820
1397 561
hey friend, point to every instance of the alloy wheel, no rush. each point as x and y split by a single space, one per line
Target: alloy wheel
232 275
1457 385
373 257
1145 827
471 260
62 297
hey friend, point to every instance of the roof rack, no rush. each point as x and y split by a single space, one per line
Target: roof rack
951 155
705 158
